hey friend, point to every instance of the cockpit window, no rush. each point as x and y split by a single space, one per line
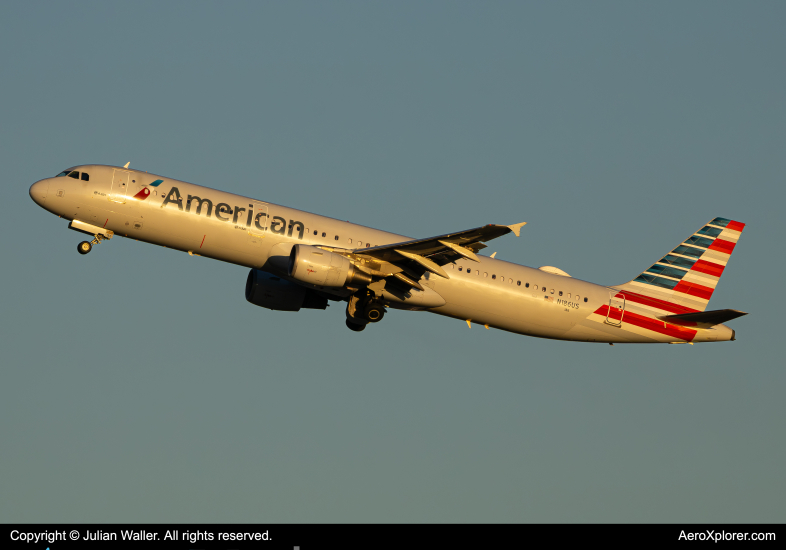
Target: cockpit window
63 173
74 175
85 176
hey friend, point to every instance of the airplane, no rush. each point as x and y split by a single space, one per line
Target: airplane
299 260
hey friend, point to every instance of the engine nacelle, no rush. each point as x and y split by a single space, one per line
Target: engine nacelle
316 266
271 292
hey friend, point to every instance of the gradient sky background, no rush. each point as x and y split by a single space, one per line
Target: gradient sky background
137 384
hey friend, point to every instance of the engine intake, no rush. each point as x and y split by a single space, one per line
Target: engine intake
271 292
316 266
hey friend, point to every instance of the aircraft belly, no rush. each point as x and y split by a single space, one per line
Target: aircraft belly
504 310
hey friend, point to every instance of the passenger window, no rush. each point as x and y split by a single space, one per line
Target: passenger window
544 289
74 175
577 297
349 241
324 234
510 281
336 238
368 245
315 232
486 274
585 298
518 283
461 268
85 176
560 293
526 285
552 291
493 276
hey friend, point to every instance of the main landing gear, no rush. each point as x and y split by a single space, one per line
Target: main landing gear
362 310
354 326
84 247
374 312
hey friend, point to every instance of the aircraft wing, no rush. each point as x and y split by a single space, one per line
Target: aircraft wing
420 255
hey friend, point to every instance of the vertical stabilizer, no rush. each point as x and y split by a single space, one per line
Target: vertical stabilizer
683 281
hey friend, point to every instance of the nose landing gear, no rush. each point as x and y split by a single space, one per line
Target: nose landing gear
84 247
99 234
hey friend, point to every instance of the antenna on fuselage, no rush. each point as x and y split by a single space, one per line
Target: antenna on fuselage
127 163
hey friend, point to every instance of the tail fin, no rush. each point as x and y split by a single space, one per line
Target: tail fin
684 279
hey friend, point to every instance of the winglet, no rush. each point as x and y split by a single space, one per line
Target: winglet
516 228
129 162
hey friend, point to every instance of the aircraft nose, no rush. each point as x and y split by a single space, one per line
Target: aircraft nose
38 191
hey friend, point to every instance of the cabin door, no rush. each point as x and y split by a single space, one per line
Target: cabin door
119 186
616 308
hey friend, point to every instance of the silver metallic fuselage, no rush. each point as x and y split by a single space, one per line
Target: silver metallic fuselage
491 295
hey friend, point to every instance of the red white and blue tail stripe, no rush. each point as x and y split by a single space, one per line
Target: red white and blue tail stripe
683 281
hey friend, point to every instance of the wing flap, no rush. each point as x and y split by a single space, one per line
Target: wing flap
407 261
471 239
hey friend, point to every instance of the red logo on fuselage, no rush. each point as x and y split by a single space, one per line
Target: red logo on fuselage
143 194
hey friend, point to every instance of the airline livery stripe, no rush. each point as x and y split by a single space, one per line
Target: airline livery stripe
710 232
708 267
661 282
720 245
694 290
736 226
703 242
663 305
648 323
729 235
701 278
688 251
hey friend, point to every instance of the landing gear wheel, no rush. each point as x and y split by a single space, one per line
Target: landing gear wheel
84 247
355 326
374 312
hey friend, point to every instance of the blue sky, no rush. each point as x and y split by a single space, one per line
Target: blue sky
139 385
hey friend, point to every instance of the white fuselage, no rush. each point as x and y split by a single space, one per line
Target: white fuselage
495 293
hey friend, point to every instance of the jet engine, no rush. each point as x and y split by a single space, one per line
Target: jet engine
271 292
316 266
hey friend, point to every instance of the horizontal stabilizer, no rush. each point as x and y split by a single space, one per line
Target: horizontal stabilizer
705 319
